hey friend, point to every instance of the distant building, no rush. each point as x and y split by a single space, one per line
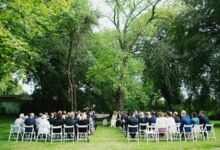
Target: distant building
10 104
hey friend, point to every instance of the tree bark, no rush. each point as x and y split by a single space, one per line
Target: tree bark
120 99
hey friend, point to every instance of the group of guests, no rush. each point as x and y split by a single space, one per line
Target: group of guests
43 122
159 119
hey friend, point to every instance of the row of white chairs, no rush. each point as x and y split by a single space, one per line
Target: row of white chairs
57 133
157 133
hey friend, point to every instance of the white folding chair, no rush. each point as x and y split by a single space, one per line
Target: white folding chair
42 136
56 133
199 132
29 133
188 132
15 132
209 131
162 133
82 133
68 133
150 133
133 133
174 132
142 129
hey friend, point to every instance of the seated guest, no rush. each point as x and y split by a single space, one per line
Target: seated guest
133 121
152 119
176 117
30 121
77 117
51 118
161 123
171 124
203 119
44 125
20 122
194 119
142 119
58 122
38 120
83 121
185 120
69 121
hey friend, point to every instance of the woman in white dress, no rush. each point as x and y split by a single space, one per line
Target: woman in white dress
114 119
44 126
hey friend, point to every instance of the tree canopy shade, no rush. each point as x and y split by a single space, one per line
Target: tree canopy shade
159 55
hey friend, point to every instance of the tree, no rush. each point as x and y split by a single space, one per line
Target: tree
130 19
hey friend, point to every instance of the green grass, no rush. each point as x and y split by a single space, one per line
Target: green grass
105 138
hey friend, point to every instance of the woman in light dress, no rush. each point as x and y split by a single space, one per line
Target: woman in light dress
114 119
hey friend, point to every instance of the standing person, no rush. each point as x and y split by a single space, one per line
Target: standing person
114 119
94 118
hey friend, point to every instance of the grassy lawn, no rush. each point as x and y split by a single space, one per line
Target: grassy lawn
105 138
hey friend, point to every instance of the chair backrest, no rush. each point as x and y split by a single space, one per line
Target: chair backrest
15 129
143 126
161 129
187 128
132 128
151 128
56 129
29 128
68 129
209 127
82 128
178 126
198 128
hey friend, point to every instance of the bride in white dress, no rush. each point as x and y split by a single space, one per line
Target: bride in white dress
114 119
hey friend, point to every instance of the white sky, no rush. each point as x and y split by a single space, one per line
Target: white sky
104 9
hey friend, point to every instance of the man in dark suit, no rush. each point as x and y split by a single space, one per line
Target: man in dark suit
203 119
185 120
133 121
30 121
153 118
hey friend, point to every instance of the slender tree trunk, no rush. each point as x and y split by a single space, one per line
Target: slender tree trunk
71 76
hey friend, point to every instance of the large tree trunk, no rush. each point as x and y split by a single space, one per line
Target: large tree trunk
120 99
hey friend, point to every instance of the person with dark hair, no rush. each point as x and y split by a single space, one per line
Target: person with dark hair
194 119
58 121
203 119
133 121
153 118
176 117
83 121
51 118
